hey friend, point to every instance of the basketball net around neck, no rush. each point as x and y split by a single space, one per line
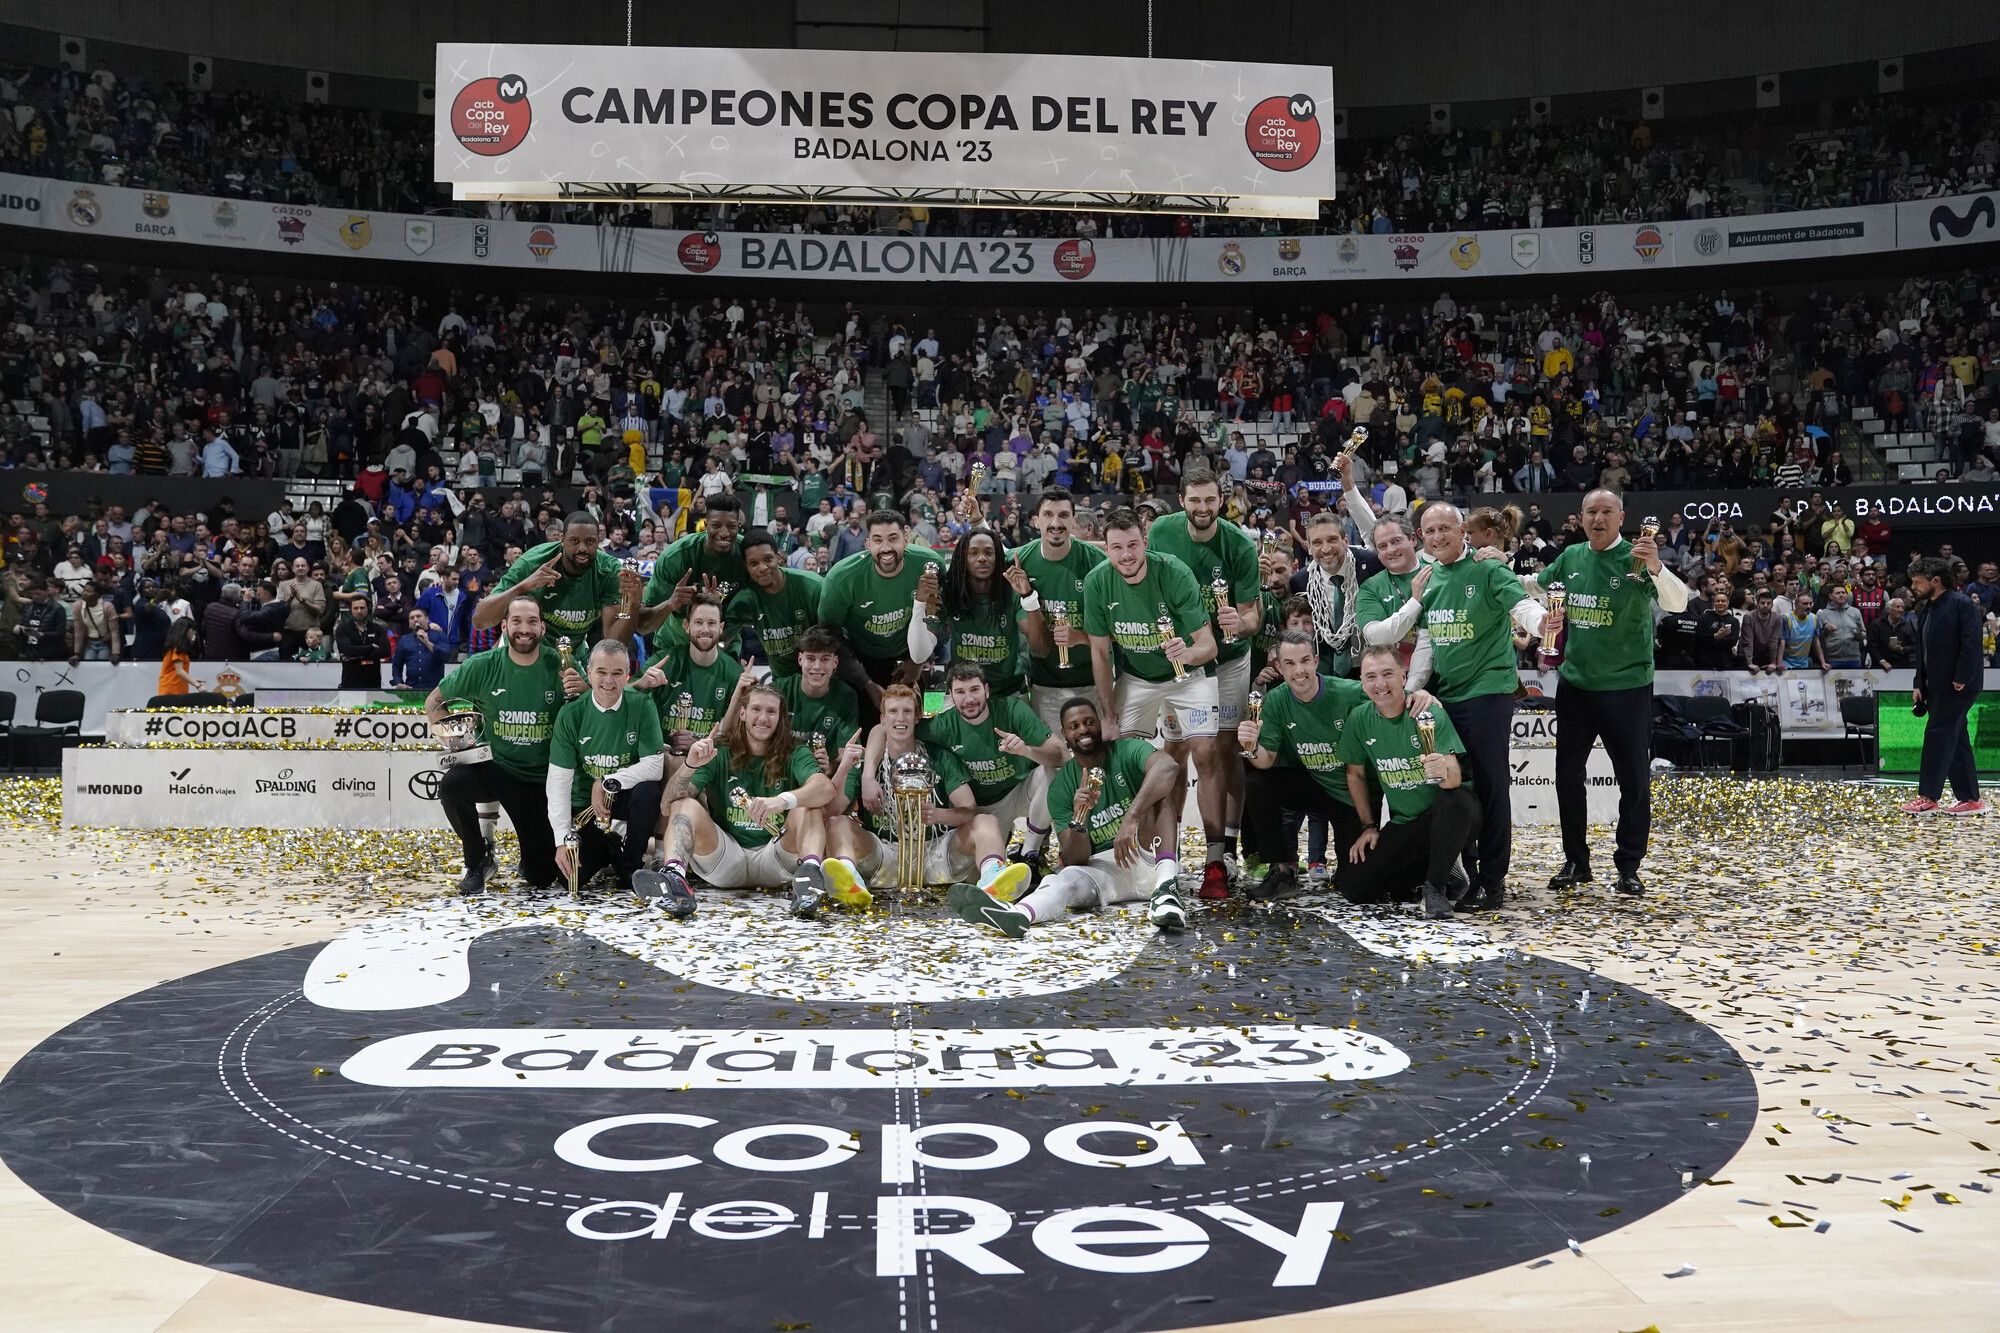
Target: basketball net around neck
1334 624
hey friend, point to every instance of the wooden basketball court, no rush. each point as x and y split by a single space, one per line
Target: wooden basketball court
1845 953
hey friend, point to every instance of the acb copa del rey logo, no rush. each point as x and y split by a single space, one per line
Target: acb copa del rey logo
1283 132
492 116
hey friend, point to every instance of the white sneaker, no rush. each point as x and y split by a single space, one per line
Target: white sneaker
1229 866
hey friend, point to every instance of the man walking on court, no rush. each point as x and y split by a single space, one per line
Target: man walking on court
1949 676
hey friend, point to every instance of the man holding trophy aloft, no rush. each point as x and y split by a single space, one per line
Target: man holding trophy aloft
1601 627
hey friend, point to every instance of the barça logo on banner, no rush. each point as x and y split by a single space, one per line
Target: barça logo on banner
155 205
1230 261
1647 243
542 244
1527 248
1075 257
84 209
699 251
419 235
356 232
1465 253
1288 249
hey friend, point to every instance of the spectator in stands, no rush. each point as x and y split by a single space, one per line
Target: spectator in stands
1843 638
220 640
361 645
1764 636
1892 638
420 657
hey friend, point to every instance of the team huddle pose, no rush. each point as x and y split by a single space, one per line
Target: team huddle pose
1086 688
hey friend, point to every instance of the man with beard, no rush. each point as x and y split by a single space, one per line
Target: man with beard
744 813
1006 753
978 614
1950 643
1122 802
824 711
693 683
580 590
1466 639
1223 561
961 844
1606 681
516 686
612 737
709 563
1150 640
1331 581
1052 611
777 603
870 597
1433 814
1295 765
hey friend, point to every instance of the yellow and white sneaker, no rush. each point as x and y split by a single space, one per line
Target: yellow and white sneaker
843 883
1009 882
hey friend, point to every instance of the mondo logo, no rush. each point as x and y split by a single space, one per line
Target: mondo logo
491 117
110 789
1074 258
1283 132
699 251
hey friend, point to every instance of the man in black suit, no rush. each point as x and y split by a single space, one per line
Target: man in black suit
1950 671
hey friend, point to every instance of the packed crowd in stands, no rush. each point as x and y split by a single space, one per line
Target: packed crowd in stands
107 129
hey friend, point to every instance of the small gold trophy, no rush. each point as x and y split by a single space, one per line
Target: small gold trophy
1218 587
1092 785
975 508
1427 736
1649 528
566 653
1355 439
1256 715
820 755
1059 617
1551 652
680 717
574 841
1165 624
910 781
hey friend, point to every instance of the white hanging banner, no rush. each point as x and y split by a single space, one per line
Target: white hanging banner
518 121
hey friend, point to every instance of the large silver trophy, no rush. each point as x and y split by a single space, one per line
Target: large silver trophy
458 730
910 780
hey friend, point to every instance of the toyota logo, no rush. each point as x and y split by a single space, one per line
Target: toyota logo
424 785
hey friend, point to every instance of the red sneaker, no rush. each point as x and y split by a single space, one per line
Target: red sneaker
1923 805
1214 882
1965 808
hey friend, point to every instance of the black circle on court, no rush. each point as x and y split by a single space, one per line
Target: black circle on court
207 1118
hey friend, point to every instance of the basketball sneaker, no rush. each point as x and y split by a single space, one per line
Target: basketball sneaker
1166 910
667 888
843 882
974 904
1214 882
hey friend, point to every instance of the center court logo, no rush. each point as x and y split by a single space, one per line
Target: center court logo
492 117
690 1115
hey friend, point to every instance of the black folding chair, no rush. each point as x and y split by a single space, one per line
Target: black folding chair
1860 721
58 716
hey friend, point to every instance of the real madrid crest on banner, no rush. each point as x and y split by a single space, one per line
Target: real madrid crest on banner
356 232
1230 261
84 209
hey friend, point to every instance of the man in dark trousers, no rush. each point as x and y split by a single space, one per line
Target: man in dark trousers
1949 675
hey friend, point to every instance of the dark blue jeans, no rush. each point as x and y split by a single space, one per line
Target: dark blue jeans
1948 748
1485 723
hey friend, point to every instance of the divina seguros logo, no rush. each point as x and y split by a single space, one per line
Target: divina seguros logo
689 1115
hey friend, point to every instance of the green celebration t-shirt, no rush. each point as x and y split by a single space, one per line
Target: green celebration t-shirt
1607 617
829 719
570 606
1227 557
990 639
1307 733
1394 757
727 786
778 619
595 741
517 704
873 611
695 696
1124 774
1468 612
1271 610
977 745
949 776
1129 613
690 555
1382 594
1059 583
